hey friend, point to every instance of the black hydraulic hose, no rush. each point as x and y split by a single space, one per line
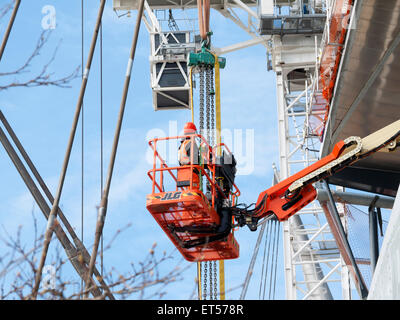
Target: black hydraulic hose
220 232
226 218
202 241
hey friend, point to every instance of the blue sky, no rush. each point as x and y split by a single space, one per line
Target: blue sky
42 119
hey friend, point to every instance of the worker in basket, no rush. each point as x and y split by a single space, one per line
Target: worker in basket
184 158
215 232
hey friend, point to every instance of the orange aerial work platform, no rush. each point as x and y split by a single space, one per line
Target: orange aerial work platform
191 211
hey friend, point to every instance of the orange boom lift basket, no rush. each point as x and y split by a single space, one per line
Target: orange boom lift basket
183 211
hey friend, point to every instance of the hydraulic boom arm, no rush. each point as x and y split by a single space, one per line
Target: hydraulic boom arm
292 194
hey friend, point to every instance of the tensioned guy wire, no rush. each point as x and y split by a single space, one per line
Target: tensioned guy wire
101 138
276 260
82 129
264 254
270 259
57 197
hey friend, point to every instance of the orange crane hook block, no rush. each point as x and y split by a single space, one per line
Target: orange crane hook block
191 201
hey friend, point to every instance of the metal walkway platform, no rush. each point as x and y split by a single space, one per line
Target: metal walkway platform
367 95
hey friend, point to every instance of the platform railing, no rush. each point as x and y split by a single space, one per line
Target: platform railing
209 157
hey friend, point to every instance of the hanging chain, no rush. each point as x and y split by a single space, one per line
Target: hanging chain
211 279
208 106
206 92
215 281
212 95
201 103
205 281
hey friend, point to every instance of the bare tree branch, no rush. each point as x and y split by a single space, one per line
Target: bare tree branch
44 77
147 279
5 9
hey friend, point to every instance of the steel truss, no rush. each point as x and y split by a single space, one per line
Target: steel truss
310 249
312 258
241 13
308 242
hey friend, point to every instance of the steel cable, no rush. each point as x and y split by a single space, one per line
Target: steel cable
104 200
276 259
273 264
82 127
53 213
101 141
264 255
268 261
9 27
